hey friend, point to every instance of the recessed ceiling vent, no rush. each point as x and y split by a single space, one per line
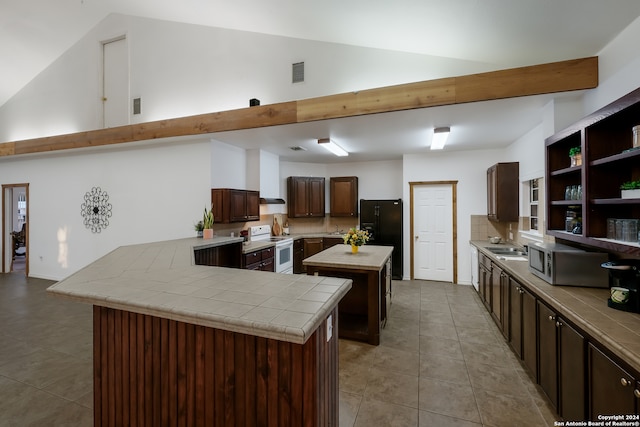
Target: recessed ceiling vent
298 148
297 72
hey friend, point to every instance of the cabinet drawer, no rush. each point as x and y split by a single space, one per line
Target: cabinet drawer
259 256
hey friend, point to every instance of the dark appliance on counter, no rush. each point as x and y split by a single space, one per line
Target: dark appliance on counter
565 265
624 274
383 220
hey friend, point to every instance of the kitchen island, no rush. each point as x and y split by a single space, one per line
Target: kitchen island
176 343
363 311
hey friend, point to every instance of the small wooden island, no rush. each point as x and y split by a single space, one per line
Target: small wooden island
175 343
363 310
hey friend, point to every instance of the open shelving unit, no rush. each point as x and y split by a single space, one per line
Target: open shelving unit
608 160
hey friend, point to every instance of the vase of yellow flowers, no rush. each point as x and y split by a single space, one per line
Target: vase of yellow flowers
355 238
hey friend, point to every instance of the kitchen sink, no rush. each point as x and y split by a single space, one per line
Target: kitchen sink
507 251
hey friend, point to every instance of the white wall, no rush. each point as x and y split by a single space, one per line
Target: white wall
157 192
228 166
619 69
469 168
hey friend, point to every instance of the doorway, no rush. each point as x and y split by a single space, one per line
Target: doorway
115 82
15 228
433 227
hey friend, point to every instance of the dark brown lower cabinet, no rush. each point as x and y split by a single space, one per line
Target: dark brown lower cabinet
548 353
298 256
496 302
484 278
581 381
312 246
612 390
529 333
561 364
220 256
515 316
572 365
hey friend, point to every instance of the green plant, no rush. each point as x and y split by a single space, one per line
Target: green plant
207 218
630 185
574 151
198 226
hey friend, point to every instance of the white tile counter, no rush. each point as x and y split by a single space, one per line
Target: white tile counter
160 279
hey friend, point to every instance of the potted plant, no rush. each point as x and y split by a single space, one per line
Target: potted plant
576 156
355 238
207 223
198 227
630 190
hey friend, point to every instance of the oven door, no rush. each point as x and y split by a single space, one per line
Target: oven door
284 258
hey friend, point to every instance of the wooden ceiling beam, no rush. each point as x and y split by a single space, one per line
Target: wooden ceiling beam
577 74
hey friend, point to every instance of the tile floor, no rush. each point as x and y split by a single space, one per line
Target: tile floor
441 362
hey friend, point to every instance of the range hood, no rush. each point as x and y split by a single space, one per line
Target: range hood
271 201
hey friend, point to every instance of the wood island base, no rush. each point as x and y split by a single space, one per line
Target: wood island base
155 371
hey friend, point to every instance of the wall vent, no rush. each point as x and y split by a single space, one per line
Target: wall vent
297 72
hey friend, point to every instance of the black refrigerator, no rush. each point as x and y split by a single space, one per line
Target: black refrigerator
383 220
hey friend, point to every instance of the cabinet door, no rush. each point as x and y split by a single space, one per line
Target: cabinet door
491 193
312 246
316 197
504 298
485 286
297 197
343 196
496 303
268 264
298 256
503 192
515 316
529 332
250 259
572 364
252 205
548 374
328 242
611 390
238 205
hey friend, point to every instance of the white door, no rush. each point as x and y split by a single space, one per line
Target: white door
433 232
115 97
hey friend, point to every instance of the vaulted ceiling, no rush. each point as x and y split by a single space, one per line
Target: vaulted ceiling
504 33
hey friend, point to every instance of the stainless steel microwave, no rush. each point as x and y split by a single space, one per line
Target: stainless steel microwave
567 266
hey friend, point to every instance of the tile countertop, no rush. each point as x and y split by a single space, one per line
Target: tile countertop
586 308
160 279
369 257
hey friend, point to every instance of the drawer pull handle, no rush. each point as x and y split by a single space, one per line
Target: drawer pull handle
625 382
636 393
552 317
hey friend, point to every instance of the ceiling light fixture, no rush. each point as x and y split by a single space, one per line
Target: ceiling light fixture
440 136
333 147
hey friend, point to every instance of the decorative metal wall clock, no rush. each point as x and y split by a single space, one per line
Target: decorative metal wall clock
96 210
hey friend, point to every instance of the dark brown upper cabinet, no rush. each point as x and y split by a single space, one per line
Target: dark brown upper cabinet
305 197
502 192
231 205
343 196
